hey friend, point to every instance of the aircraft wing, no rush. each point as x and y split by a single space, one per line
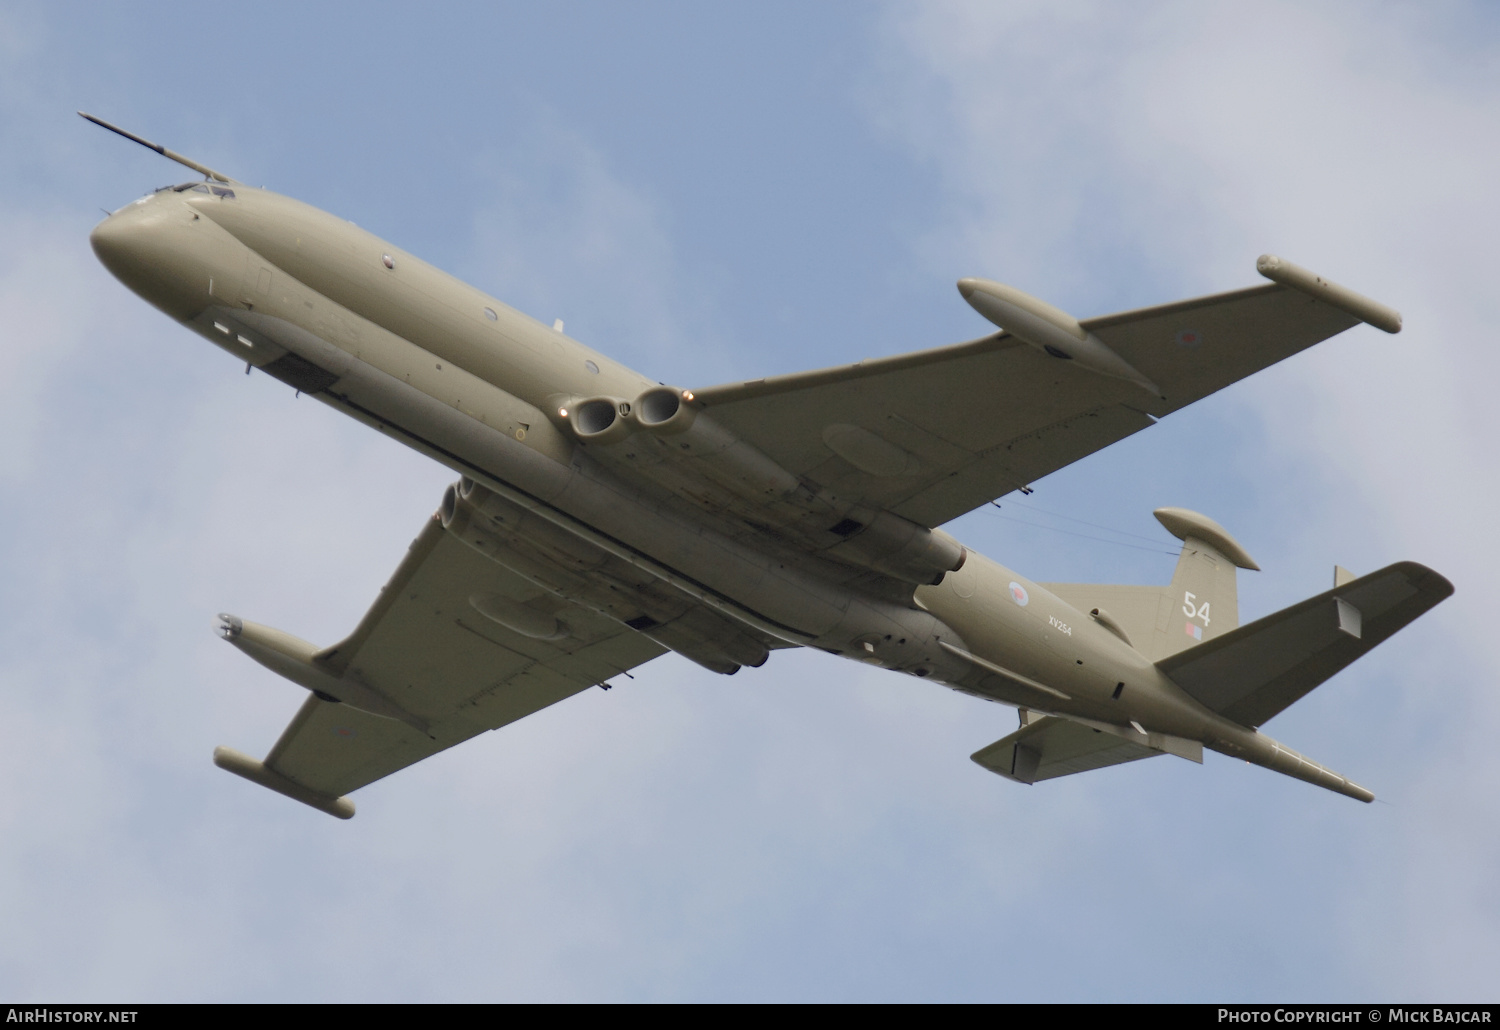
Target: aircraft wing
934 434
1256 671
427 649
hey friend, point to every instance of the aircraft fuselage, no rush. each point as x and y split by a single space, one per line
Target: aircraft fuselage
359 324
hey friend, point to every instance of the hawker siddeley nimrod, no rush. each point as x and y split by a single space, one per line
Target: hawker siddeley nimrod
603 519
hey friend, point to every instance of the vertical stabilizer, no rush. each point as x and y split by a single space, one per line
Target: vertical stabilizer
1201 602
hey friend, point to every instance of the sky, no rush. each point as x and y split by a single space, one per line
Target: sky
720 192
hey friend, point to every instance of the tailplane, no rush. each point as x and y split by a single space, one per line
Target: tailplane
1246 674
1261 669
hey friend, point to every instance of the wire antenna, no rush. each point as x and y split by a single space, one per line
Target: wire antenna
1083 522
1082 536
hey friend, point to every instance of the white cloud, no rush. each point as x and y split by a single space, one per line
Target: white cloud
559 234
811 829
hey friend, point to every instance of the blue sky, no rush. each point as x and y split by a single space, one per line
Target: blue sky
711 193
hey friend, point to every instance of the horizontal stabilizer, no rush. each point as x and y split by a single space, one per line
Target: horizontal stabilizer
1252 673
1048 747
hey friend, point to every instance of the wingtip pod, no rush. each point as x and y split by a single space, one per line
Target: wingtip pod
243 765
1298 278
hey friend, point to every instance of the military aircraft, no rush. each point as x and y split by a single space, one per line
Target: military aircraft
603 518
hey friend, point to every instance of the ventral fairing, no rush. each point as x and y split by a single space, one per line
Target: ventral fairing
602 519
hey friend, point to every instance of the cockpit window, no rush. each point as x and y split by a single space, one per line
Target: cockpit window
200 187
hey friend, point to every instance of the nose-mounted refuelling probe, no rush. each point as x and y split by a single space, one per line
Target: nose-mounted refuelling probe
1049 330
172 155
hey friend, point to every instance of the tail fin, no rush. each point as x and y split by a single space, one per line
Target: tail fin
1201 603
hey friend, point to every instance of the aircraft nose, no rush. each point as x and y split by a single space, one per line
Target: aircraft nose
117 244
148 248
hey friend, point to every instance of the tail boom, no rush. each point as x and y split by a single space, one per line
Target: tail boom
1259 749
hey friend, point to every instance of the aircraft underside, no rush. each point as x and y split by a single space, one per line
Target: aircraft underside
603 519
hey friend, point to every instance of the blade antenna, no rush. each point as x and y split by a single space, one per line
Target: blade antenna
204 170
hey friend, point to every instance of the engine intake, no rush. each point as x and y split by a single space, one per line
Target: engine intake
601 420
663 410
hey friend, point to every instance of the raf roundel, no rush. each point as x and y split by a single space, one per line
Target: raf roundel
1019 595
